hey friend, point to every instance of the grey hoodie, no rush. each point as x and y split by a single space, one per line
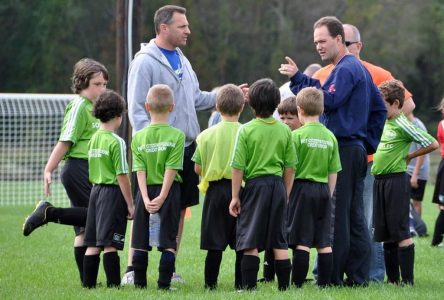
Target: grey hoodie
150 67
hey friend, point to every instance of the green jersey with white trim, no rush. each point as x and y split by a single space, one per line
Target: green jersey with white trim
106 157
399 132
263 147
156 148
78 127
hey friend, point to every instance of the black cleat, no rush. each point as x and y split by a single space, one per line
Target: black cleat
37 218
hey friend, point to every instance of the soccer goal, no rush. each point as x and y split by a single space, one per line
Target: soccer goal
29 128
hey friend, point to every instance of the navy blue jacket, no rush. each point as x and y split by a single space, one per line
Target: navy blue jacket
353 107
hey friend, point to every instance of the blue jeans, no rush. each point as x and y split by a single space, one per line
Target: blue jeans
377 265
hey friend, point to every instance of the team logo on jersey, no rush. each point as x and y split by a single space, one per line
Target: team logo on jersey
331 88
390 134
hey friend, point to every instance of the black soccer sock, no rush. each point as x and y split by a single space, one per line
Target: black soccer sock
111 264
283 269
75 216
238 270
269 271
79 254
325 268
249 267
212 266
129 269
439 229
166 269
406 256
391 262
300 267
91 268
140 264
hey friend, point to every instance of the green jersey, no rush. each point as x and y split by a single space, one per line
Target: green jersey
263 147
393 149
106 157
156 148
78 127
213 152
317 152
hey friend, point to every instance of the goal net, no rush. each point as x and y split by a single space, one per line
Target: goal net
29 128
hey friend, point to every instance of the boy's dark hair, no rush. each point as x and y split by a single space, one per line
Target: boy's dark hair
288 106
264 97
164 15
311 100
333 25
392 90
230 100
160 97
108 106
84 70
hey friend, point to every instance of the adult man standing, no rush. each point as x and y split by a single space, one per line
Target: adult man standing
162 62
379 75
355 113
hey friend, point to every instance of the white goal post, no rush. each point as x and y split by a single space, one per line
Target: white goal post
29 128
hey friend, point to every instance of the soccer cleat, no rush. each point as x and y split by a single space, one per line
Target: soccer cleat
37 218
176 278
128 278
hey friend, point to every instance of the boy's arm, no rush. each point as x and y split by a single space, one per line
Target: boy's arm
59 151
168 179
288 180
332 182
422 151
141 180
236 181
198 169
416 170
125 187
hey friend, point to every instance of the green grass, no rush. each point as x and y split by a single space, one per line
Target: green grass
41 266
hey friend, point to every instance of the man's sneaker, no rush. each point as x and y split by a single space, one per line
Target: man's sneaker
37 218
128 278
176 278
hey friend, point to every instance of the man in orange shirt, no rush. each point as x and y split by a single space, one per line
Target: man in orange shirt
379 75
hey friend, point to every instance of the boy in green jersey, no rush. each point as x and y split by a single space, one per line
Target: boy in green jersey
391 188
310 203
212 162
111 202
89 80
264 157
158 152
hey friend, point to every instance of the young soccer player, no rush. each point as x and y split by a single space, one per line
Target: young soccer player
111 202
158 151
391 190
264 157
310 204
212 162
288 114
89 80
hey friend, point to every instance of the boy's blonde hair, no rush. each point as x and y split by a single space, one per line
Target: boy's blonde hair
288 106
230 100
392 90
311 100
160 98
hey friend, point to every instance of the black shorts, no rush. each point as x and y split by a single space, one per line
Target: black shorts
188 188
309 215
417 194
391 207
75 179
169 215
438 193
107 217
262 220
218 228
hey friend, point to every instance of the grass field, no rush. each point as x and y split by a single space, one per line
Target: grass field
41 266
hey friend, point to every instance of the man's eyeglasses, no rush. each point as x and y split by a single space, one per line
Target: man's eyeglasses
350 43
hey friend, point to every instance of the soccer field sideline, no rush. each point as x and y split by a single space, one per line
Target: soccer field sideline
41 266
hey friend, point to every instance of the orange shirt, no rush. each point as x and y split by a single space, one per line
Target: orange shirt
379 75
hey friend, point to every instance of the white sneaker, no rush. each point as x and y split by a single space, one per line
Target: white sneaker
176 278
128 278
